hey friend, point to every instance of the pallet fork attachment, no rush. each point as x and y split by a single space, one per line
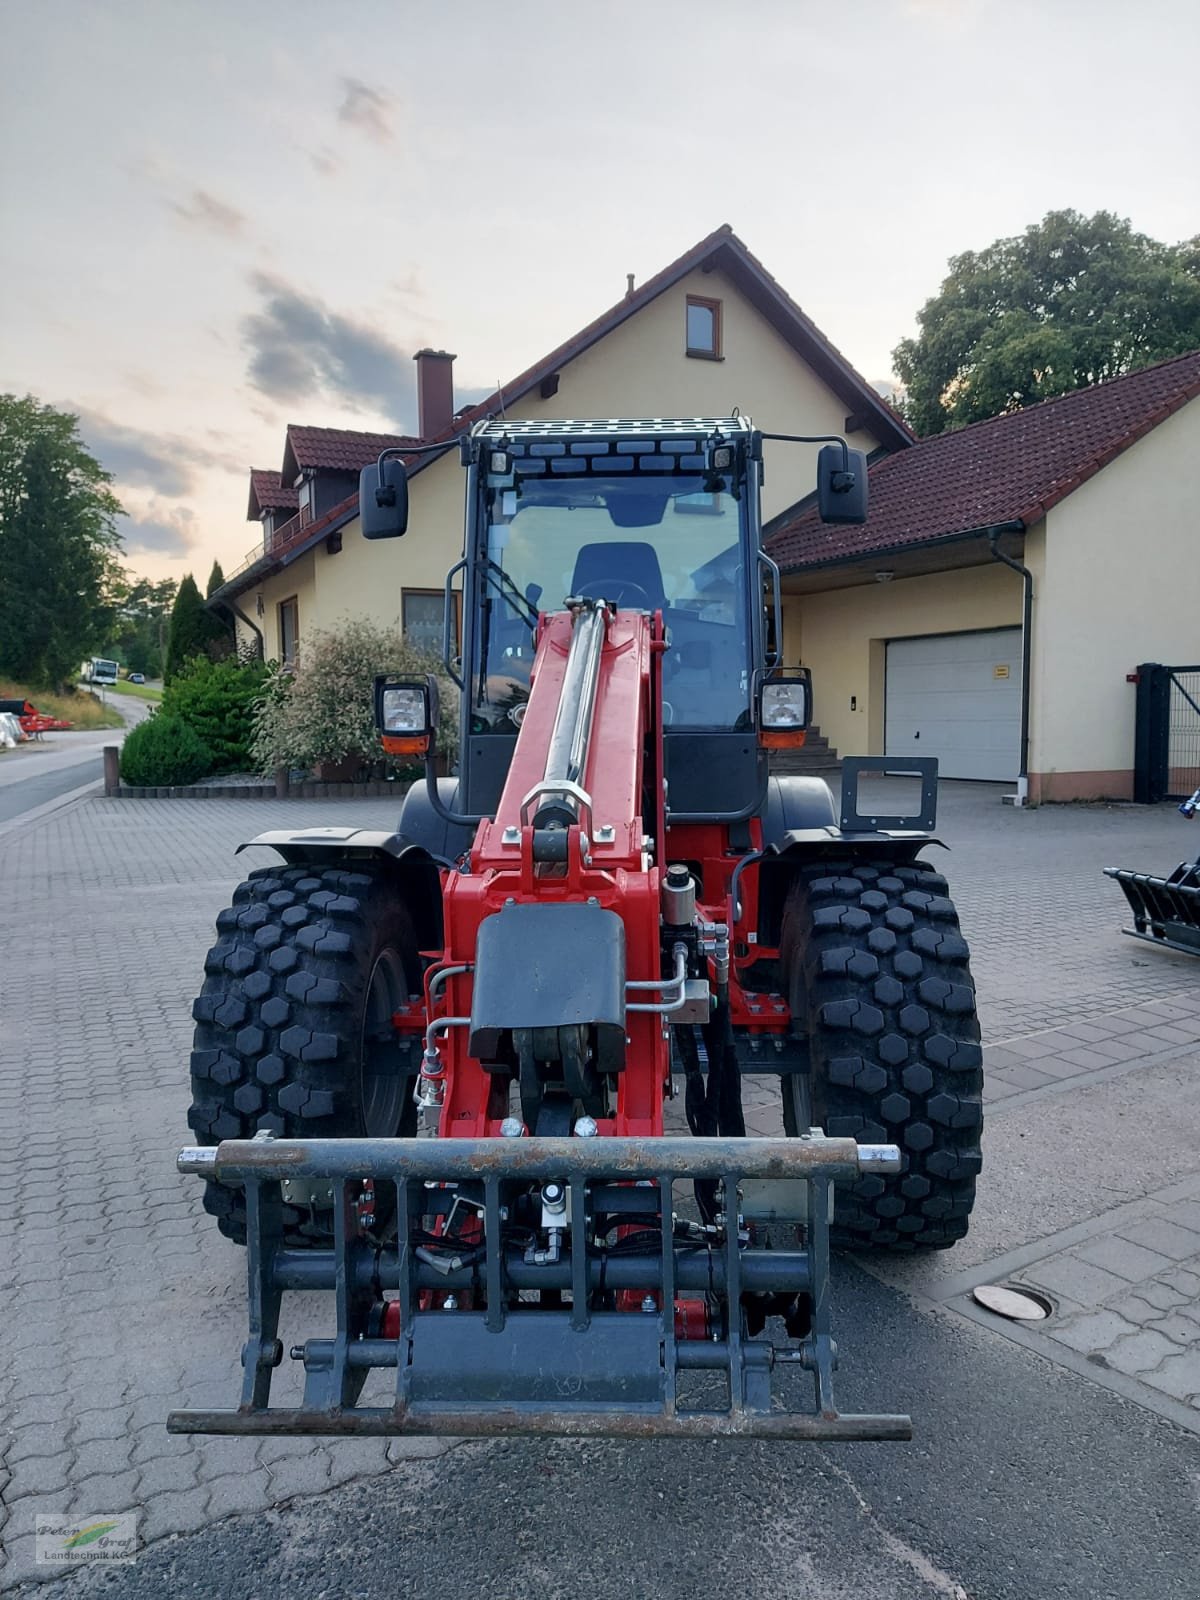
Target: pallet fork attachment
1165 910
489 1336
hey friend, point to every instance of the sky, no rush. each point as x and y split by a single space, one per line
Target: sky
221 216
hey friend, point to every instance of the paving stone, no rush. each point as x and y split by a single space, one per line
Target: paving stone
1185 1280
1181 1329
1134 1309
1179 1375
1166 1237
238 1493
1139 1352
357 1458
1083 1282
181 1511
39 1475
168 1473
105 1492
1186 1213
1131 1261
307 1474
1160 1295
1097 1331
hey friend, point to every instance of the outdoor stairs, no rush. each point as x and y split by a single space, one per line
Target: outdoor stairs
816 758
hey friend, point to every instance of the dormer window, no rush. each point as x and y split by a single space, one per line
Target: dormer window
304 491
703 328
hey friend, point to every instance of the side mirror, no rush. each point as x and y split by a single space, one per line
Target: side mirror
842 484
383 499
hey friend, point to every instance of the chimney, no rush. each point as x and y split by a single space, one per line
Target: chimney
435 391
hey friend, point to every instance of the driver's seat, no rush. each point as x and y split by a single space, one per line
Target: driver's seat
625 573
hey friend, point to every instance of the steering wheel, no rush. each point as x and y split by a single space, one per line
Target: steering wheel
622 584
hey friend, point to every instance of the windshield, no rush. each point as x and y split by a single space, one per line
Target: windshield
674 547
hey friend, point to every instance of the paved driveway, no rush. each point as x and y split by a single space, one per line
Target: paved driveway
1061 1462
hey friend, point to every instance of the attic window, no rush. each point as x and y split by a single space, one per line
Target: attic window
704 328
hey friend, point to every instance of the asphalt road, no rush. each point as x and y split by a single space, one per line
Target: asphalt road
37 773
1023 1481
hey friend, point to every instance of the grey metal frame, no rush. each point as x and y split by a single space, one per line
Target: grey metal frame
519 1369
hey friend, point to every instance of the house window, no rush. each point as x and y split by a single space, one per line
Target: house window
422 612
704 328
289 630
305 494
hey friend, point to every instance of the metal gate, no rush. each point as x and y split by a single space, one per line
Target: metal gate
1167 735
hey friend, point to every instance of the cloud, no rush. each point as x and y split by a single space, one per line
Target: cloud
164 531
297 348
369 110
204 210
156 461
325 162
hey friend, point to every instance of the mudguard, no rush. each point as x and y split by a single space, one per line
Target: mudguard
415 867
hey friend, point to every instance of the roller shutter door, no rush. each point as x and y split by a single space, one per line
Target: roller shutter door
957 696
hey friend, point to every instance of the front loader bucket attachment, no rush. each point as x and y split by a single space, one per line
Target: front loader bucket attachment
543 1286
1165 910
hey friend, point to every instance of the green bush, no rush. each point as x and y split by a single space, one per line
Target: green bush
325 710
216 699
164 750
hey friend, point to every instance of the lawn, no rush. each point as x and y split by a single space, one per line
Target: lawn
143 691
83 710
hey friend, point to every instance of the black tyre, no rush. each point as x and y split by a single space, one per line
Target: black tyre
877 970
293 1025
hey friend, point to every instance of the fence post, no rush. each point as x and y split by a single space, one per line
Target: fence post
281 783
112 769
1152 733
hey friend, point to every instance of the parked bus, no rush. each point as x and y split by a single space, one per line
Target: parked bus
98 670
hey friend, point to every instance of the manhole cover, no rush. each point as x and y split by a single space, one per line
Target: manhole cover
1018 1305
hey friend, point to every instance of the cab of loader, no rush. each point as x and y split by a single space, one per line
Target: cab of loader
660 516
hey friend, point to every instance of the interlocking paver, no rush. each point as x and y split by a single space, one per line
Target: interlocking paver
1179 1375
1139 1352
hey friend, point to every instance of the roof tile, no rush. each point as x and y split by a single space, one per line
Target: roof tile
1012 468
339 449
269 493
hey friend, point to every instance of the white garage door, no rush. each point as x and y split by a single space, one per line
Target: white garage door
957 696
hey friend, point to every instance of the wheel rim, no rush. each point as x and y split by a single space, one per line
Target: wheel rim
383 1075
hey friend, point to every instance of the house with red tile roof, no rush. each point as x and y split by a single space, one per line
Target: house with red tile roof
711 331
1008 582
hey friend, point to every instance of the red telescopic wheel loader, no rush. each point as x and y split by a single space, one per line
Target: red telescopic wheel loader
430 1066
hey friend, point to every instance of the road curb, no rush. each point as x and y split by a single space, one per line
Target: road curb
30 819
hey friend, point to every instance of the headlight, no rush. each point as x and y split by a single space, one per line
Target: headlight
403 710
406 715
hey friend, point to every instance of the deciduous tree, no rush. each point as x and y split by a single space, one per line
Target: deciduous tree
59 577
1070 302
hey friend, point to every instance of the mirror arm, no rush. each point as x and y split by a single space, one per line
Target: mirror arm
813 438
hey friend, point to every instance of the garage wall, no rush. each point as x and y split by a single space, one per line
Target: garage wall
842 635
1120 584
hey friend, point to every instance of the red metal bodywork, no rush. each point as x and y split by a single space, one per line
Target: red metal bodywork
620 871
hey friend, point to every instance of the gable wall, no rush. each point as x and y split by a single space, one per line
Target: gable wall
1119 584
640 369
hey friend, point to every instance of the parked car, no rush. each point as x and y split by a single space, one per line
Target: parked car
137 677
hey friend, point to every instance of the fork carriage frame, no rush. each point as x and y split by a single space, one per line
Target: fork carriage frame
506 1366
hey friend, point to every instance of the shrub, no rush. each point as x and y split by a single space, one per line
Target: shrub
164 750
325 711
216 699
